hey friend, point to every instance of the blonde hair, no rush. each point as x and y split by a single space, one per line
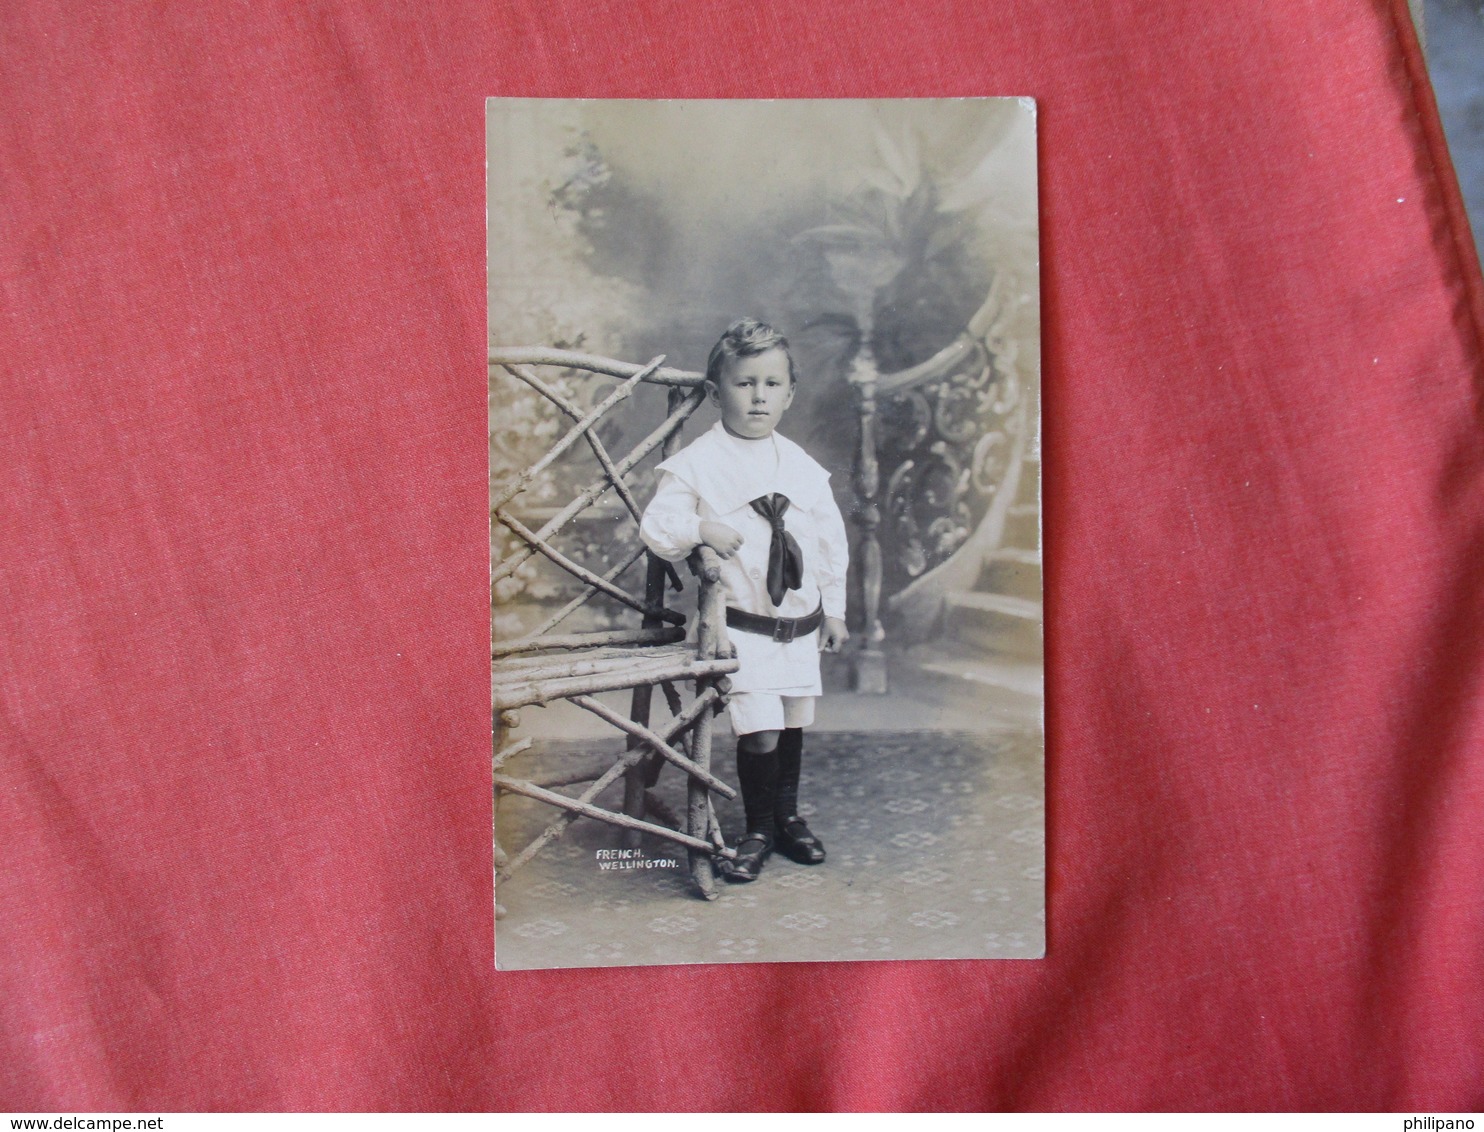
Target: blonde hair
746 338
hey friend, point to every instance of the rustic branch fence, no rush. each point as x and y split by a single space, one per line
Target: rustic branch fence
541 666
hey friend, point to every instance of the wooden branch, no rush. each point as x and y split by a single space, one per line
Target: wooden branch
704 563
665 636
573 778
706 638
603 781
598 512
525 479
511 751
514 669
646 770
698 809
711 627
531 691
558 827
688 404
593 363
588 592
724 649
713 827
675 403
528 375
682 721
586 575
654 742
552 798
656 806
711 642
593 442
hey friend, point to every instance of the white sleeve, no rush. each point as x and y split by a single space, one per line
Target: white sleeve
834 555
671 526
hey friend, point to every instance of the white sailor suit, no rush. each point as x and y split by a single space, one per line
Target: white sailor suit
716 478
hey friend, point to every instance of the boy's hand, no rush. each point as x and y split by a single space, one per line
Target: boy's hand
720 538
833 635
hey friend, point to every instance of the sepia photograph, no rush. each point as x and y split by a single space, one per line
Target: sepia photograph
767 628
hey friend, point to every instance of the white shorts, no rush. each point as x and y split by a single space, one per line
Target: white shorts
769 711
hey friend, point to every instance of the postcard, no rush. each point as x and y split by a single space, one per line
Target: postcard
764 419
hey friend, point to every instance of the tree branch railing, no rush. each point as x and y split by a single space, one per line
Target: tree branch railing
594 491
540 666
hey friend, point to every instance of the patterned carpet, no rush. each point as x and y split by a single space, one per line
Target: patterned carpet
936 850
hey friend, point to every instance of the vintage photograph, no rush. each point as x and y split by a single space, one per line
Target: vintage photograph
764 419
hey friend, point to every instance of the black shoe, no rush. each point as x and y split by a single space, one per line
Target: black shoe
798 843
752 851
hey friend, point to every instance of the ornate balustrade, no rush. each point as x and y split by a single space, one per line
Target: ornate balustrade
937 464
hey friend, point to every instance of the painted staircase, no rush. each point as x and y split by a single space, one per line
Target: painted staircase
992 631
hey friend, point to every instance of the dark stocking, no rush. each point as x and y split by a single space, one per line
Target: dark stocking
757 772
790 759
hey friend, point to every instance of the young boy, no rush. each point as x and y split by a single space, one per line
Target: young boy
765 507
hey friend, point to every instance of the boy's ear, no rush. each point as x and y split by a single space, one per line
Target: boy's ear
712 393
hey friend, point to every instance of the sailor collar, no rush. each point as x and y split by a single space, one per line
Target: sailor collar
709 469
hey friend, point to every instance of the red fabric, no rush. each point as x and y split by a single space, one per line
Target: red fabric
243 689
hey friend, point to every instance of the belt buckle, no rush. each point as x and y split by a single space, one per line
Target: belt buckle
784 629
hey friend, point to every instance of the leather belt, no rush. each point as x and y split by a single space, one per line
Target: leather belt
781 629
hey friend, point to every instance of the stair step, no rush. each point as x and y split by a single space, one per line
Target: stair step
1019 607
1009 639
1010 573
982 635
1024 555
1027 679
1023 529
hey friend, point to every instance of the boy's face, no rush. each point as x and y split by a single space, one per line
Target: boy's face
753 392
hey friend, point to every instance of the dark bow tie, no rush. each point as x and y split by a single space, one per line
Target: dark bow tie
785 559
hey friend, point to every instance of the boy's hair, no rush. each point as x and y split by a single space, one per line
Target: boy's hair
743 339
